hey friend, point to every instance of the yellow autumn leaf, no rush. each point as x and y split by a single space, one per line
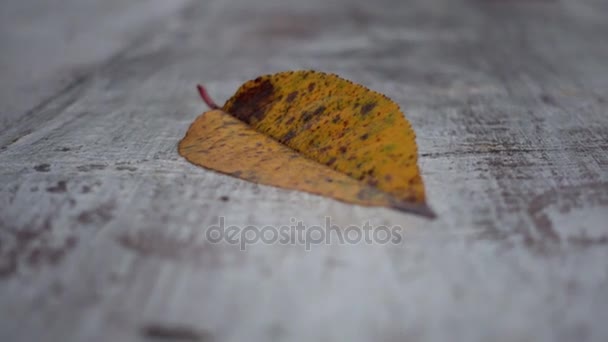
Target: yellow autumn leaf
313 132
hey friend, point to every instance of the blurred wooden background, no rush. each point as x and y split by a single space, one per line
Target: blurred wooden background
103 225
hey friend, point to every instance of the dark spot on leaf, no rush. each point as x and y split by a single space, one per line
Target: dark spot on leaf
292 96
306 116
364 136
342 149
367 108
252 102
289 121
336 119
331 161
319 110
42 168
311 87
288 136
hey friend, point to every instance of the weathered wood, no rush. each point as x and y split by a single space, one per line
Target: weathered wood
103 224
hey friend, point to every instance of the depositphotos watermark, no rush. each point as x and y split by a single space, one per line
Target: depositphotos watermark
297 233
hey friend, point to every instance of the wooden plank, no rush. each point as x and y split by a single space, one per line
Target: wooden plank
103 224
51 48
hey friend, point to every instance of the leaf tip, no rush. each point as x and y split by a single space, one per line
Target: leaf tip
418 209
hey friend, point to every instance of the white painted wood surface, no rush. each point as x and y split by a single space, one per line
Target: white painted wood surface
103 224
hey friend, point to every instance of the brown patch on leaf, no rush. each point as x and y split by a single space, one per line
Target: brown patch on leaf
288 136
367 108
292 96
251 102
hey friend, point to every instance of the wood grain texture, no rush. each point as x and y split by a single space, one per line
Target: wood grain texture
103 224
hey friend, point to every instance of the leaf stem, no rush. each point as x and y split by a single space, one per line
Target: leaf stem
206 98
